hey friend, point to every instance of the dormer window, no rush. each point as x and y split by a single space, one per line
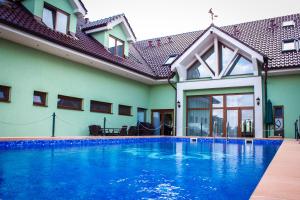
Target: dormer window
290 23
116 46
56 19
288 45
170 59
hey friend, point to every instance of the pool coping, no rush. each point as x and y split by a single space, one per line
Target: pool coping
2 139
281 180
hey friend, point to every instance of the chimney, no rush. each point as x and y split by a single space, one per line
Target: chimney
170 40
150 43
158 41
273 25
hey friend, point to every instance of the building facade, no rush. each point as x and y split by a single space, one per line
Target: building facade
235 81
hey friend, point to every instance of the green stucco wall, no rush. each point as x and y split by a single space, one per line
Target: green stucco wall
117 32
211 92
162 97
36 8
285 91
25 70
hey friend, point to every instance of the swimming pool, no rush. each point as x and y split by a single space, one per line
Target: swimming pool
154 169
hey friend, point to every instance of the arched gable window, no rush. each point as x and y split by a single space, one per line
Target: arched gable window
197 71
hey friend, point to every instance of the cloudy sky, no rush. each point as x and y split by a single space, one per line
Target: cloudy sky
155 18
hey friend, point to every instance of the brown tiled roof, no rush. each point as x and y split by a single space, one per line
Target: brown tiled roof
149 60
257 34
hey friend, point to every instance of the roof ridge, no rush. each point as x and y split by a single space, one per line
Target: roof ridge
253 21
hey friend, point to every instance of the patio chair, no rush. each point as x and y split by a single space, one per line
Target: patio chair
95 130
123 131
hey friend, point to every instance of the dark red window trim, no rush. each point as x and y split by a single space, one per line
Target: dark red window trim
43 96
54 11
115 50
69 107
121 111
6 91
92 109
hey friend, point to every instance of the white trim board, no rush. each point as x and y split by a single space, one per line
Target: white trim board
255 82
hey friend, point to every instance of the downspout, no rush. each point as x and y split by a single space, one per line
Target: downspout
266 88
175 110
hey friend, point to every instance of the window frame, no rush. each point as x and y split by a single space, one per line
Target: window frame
125 114
54 10
170 57
67 107
289 41
6 90
144 110
103 103
115 50
43 96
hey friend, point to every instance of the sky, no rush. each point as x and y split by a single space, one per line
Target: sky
157 18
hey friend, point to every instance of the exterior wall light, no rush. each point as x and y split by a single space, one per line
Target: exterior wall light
178 104
258 101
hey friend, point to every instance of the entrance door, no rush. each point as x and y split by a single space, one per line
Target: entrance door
162 121
240 122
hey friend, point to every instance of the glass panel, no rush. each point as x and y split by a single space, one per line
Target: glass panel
48 17
217 120
124 110
217 101
37 99
241 66
240 100
69 102
198 102
247 123
210 58
278 112
225 56
290 45
168 124
198 122
232 123
62 22
198 71
120 48
156 123
141 116
2 95
170 60
112 45
102 107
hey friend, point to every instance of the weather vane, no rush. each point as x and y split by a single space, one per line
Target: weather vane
213 16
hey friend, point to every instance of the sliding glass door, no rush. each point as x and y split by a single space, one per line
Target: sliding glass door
229 115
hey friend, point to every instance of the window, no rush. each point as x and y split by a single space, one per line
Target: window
4 93
288 45
70 103
56 19
124 110
210 59
240 100
39 98
197 71
241 66
226 55
100 107
288 23
170 59
141 116
116 46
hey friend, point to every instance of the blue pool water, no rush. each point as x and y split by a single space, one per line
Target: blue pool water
151 170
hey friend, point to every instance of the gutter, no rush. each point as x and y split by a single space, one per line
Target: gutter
175 109
265 85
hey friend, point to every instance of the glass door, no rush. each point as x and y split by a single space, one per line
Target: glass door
162 120
156 122
247 123
232 123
